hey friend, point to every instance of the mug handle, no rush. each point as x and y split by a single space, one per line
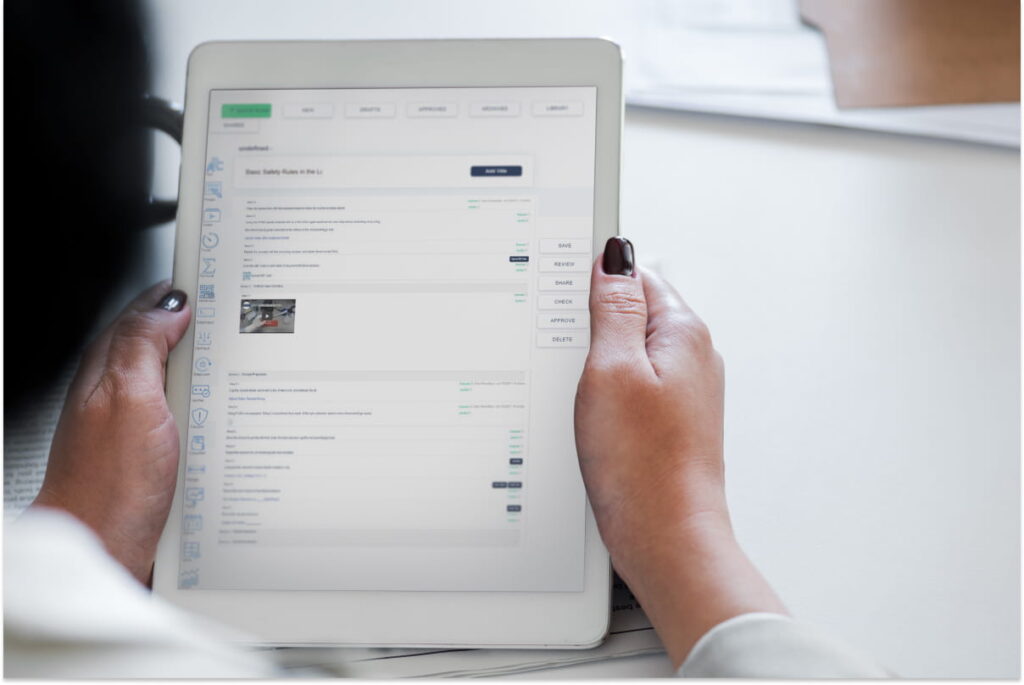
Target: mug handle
163 116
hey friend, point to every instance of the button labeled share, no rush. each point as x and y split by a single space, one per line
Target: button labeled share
563 282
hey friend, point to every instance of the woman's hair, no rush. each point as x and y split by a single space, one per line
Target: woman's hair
77 176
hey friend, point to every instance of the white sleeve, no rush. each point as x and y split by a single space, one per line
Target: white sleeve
760 645
72 611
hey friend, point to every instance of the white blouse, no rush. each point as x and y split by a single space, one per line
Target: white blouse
72 611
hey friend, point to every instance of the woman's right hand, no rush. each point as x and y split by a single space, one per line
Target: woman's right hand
649 430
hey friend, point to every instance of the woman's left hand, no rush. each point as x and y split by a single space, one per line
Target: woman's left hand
114 458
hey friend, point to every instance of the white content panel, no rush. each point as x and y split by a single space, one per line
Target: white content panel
378 400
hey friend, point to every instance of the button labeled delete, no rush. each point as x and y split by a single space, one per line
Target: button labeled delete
579 338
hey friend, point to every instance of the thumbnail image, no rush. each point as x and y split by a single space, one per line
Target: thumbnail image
267 316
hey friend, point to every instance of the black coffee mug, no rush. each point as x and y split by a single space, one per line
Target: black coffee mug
163 116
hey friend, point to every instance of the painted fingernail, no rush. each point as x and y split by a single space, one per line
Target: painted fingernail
618 257
173 301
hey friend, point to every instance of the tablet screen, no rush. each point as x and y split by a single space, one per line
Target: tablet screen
390 322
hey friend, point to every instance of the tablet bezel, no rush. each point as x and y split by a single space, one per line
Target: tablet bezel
420 619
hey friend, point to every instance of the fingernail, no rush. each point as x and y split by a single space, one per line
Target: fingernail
618 257
173 301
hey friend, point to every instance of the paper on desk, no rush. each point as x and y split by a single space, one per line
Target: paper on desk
27 446
761 61
630 634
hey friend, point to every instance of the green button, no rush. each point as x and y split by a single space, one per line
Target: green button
245 111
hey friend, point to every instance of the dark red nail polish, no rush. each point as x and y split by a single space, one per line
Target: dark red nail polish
618 257
173 301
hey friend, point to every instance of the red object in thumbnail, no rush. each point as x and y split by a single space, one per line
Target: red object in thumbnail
270 323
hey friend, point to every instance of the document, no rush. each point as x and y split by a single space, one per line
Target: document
27 438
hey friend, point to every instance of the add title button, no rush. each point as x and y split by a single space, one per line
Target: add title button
495 171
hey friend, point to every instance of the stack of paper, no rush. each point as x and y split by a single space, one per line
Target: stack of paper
756 59
630 634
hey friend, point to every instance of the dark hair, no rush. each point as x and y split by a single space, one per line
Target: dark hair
78 174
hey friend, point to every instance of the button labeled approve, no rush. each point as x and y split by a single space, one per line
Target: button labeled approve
563 320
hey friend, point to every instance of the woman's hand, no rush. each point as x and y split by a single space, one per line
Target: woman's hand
649 417
114 458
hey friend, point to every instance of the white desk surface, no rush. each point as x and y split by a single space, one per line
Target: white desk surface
864 291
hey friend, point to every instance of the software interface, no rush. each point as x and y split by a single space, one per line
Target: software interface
390 321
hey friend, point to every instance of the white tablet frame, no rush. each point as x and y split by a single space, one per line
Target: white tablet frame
420 619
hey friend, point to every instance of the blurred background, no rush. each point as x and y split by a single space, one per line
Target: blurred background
837 192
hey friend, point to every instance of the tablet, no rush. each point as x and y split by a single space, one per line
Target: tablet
386 246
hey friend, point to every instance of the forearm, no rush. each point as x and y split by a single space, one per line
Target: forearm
690 575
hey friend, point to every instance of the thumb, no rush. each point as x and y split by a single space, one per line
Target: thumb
618 307
134 348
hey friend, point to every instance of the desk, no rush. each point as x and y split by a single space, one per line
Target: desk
864 291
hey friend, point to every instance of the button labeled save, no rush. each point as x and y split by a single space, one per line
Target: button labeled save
564 245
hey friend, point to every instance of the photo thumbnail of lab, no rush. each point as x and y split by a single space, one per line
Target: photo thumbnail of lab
267 316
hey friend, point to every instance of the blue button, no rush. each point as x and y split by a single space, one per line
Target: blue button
495 171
